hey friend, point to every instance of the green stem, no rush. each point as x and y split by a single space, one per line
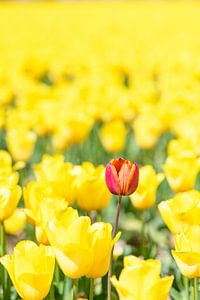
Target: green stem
51 293
99 216
57 276
67 288
194 289
75 288
2 240
5 279
186 284
91 289
93 215
142 244
114 234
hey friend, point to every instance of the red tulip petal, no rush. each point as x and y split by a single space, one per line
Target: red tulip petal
112 180
133 179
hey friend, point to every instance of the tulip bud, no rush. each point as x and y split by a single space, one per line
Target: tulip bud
122 176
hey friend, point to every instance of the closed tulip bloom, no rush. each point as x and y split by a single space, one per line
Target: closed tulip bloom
183 147
21 143
35 192
5 164
122 176
92 193
145 195
71 128
187 252
113 136
181 211
69 235
101 244
181 172
41 204
147 128
57 174
31 269
48 208
16 222
140 279
10 194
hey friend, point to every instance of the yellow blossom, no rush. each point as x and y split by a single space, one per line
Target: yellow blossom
140 279
41 205
21 143
101 244
181 172
31 269
113 136
187 252
10 194
69 235
145 195
16 222
57 174
92 192
182 211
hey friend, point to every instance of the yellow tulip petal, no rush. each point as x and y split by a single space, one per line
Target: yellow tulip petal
188 263
74 262
124 293
160 289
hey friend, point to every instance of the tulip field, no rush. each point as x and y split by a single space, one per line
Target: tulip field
100 150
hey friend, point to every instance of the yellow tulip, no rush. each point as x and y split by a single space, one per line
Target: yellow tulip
21 143
31 269
10 194
57 174
5 164
37 192
181 172
181 211
41 204
141 280
183 147
72 128
48 208
69 235
147 129
102 244
145 195
187 252
81 249
92 192
15 223
113 136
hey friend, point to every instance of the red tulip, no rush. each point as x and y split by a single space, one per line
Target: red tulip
122 176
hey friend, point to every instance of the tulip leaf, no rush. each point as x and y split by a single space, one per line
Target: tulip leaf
175 294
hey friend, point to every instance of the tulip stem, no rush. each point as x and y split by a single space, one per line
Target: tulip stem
114 234
194 289
3 246
142 244
51 293
2 240
75 288
186 284
91 289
